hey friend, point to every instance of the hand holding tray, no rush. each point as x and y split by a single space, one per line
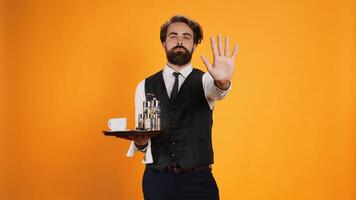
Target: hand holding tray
129 134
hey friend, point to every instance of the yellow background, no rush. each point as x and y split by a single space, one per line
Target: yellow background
285 132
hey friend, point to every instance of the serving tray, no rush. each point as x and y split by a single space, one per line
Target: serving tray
130 133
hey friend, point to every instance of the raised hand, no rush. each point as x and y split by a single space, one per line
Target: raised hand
223 65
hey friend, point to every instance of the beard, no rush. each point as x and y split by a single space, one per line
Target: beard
179 58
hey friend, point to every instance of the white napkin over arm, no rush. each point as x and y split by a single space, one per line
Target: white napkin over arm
147 158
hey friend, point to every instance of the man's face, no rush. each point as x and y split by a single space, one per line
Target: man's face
179 45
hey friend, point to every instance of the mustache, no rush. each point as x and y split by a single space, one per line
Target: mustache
180 46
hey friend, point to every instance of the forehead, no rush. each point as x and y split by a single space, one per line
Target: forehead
179 27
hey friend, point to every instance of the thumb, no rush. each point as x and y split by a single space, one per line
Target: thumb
207 63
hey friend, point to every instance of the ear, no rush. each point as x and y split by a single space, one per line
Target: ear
164 44
195 47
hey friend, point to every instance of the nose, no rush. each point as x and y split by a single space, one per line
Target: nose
179 40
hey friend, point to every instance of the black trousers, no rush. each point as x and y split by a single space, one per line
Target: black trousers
166 185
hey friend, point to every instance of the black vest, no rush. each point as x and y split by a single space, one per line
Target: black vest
187 123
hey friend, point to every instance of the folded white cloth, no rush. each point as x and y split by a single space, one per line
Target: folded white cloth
148 155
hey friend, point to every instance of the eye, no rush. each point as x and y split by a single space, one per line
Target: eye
172 37
186 37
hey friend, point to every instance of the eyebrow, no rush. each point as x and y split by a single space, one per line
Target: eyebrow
175 33
187 34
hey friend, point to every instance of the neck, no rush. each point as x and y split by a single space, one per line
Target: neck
177 68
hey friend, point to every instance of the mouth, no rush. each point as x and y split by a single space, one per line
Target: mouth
179 49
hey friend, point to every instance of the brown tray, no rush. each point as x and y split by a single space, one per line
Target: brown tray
127 134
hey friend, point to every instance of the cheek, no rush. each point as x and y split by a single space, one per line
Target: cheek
190 47
170 45
189 44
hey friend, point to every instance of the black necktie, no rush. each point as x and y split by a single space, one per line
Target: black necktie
175 86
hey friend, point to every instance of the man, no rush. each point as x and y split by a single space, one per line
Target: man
178 162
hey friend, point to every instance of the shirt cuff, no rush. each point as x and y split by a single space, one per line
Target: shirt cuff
142 150
222 92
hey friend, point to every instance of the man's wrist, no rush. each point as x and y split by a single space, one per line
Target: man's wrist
222 85
141 147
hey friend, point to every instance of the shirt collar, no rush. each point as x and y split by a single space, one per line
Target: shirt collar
184 72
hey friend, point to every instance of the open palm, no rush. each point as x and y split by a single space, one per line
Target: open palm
223 65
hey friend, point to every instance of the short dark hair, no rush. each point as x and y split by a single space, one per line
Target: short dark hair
195 26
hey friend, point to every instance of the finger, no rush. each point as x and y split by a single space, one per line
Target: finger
227 46
207 63
213 47
220 46
234 53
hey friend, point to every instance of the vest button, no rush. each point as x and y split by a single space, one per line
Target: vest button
173 155
173 143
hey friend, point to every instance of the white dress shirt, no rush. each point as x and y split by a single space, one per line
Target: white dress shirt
211 92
